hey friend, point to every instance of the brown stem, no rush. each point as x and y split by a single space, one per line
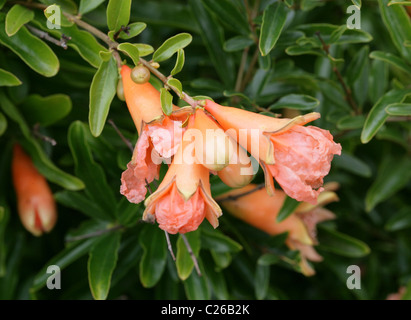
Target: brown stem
41 136
347 90
250 69
126 141
191 253
44 35
95 234
170 248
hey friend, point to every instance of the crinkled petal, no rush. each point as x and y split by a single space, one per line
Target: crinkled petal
166 136
175 215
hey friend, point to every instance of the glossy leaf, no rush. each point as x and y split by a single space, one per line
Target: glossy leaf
131 50
393 175
350 122
184 263
212 37
89 5
153 262
3 124
101 264
377 115
237 43
175 84
171 46
46 110
41 161
296 101
352 164
134 29
166 101
341 244
16 18
357 3
391 59
8 79
179 62
54 15
287 208
196 287
68 6
118 14
399 109
358 75
144 49
378 80
218 242
400 220
97 187
33 51
102 92
262 278
398 25
274 18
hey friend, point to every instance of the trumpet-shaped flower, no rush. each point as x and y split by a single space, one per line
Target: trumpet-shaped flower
254 206
297 156
183 199
35 202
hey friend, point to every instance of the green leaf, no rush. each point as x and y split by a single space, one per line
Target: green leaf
97 187
40 160
268 259
128 213
68 6
78 201
2 2
16 18
212 36
215 240
399 109
341 244
287 208
378 80
330 32
357 3
262 280
196 287
3 124
358 75
8 79
134 29
264 62
131 50
166 101
144 49
101 264
217 280
377 115
400 220
33 51
229 14
171 46
391 59
179 62
102 91
237 43
353 164
296 101
176 85
46 110
88 5
118 14
153 262
351 123
398 24
221 259
393 175
62 260
274 18
184 262
307 5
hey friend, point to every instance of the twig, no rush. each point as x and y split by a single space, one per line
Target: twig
126 141
232 198
250 69
95 234
41 136
44 35
399 119
170 248
122 29
347 90
190 251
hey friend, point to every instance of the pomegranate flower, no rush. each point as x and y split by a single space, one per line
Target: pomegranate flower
159 136
255 207
183 199
298 157
35 202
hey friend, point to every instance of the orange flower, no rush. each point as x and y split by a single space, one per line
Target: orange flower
183 199
159 136
397 295
35 202
297 157
257 208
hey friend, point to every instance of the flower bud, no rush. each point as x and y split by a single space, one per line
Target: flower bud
35 202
